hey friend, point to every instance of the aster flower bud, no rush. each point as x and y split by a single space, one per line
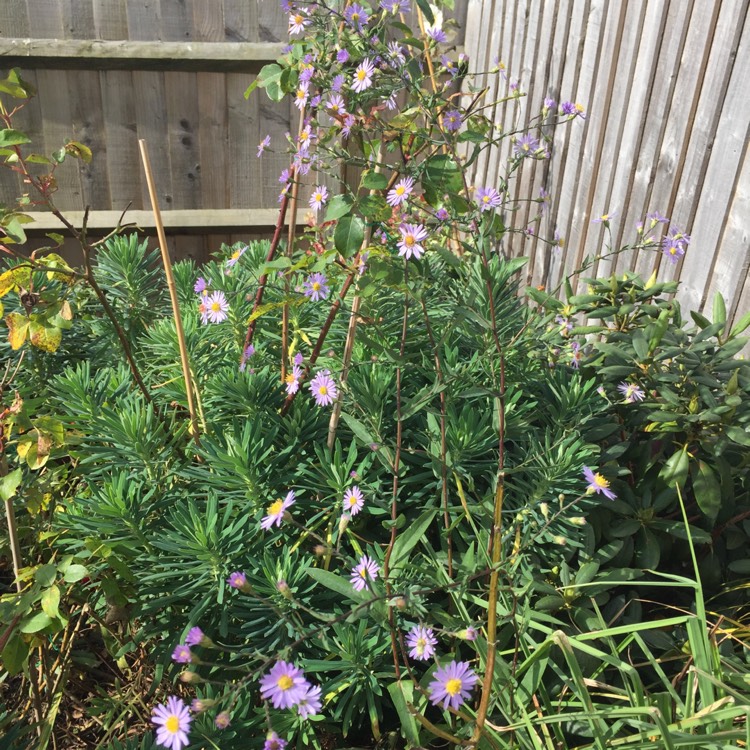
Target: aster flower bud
578 521
192 678
468 634
201 704
283 588
561 540
544 507
320 550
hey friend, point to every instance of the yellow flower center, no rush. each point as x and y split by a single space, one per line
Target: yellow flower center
285 681
301 93
298 20
600 481
352 501
485 198
316 286
275 506
235 255
290 378
355 16
322 390
409 240
318 197
361 75
363 573
453 687
421 644
303 136
215 307
400 190
673 251
172 724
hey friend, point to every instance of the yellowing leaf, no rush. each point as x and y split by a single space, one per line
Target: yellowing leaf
15 278
46 338
18 326
53 260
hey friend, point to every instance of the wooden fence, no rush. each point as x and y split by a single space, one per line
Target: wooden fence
667 118
174 72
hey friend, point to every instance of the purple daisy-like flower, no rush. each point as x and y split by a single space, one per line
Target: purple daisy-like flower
237 580
437 34
301 96
315 286
422 642
222 720
452 685
576 355
284 176
442 214
217 307
324 388
356 16
284 685
200 285
194 637
525 145
395 6
656 217
631 392
342 56
263 145
354 500
452 120
363 76
400 192
604 218
298 358
549 104
249 351
336 105
304 140
674 244
365 570
349 121
319 197
182 654
274 742
297 23
487 198
597 484
338 82
292 380
172 721
235 256
276 510
567 108
410 244
310 703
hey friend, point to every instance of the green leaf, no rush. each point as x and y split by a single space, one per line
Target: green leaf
701 320
45 575
640 344
411 537
739 435
9 484
45 337
402 694
269 78
339 206
79 151
707 489
675 471
36 623
349 235
424 6
741 325
374 208
51 601
10 137
249 90
14 654
442 175
335 583
374 181
719 309
75 573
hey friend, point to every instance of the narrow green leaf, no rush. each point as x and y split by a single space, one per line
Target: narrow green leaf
411 537
424 6
741 325
675 470
402 694
719 309
335 583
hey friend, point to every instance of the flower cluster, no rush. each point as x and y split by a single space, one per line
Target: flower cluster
285 687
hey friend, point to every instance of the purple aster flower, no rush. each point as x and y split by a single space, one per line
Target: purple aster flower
363 76
441 214
324 388
655 217
452 120
452 685
216 308
249 351
274 742
336 105
319 197
307 73
310 703
674 244
298 358
222 720
315 286
576 354
412 235
284 176
422 642
354 500
526 145
567 108
631 392
470 634
356 16
235 256
342 56
398 194
395 6
194 637
304 140
366 569
297 23
237 580
200 285
263 145
604 218
549 104
437 34
487 198
181 654
338 82
349 121
276 511
300 98
597 484
284 685
396 53
172 722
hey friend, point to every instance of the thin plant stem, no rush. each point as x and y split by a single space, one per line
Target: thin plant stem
184 359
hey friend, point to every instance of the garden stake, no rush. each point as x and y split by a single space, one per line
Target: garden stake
184 361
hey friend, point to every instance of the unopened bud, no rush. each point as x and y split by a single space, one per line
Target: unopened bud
469 634
283 588
578 521
320 550
191 677
544 507
561 540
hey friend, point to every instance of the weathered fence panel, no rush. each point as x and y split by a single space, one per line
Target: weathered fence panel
664 83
